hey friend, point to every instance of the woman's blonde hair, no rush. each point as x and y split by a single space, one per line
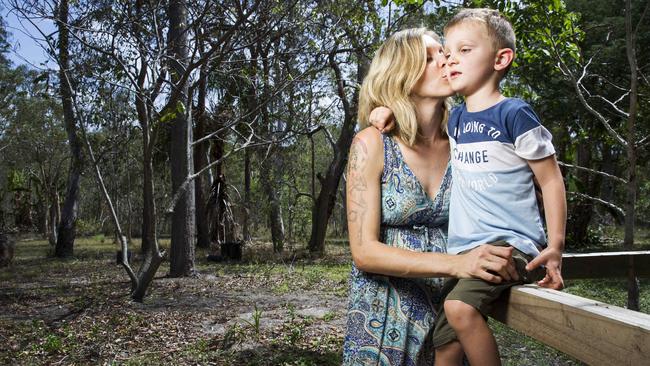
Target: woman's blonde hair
396 68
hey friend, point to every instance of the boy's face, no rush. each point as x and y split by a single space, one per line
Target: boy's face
470 57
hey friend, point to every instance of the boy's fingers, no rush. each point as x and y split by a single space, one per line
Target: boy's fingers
557 282
534 263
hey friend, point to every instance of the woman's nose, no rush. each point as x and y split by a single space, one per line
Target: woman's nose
441 60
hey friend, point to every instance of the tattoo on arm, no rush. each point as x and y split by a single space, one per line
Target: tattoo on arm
357 185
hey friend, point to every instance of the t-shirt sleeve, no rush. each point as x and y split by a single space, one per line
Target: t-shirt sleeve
532 140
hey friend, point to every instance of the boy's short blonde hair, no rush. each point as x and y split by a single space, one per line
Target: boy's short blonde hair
499 29
396 68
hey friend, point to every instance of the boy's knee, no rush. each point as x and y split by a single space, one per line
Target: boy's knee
460 315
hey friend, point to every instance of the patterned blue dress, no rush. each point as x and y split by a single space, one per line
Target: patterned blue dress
390 319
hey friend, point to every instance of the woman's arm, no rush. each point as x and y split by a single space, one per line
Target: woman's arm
363 188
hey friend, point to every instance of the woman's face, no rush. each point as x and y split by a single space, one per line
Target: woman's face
433 83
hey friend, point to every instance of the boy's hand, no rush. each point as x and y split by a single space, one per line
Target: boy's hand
381 118
551 258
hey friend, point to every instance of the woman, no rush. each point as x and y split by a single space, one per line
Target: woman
397 208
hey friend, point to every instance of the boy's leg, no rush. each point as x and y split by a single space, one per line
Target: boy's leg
473 333
468 304
450 354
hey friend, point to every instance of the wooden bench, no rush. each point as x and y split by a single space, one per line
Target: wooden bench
591 331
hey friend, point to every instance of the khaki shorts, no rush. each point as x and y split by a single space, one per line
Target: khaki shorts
480 294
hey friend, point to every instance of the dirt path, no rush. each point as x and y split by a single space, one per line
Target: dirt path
263 311
78 311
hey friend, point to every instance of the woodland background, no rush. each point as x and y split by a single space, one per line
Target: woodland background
169 130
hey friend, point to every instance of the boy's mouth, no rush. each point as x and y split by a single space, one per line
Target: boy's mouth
454 74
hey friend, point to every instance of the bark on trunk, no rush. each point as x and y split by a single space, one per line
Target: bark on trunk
54 214
582 210
329 184
67 225
200 161
630 216
275 212
247 195
218 200
183 216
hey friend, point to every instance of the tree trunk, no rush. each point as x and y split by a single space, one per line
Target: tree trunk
275 212
54 213
581 211
152 257
630 215
628 241
218 200
183 216
329 184
67 225
247 195
200 161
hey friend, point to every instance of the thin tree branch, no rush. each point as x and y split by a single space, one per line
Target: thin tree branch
598 200
597 172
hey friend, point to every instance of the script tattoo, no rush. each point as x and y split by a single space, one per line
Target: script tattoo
357 186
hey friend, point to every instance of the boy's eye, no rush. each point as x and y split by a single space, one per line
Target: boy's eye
465 50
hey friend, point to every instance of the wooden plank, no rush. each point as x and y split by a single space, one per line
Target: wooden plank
591 331
604 265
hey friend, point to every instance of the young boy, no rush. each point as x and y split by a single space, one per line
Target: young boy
498 147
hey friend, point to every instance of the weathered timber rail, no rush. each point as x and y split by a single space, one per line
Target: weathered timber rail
591 331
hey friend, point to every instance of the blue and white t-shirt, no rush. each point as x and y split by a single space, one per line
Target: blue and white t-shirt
492 194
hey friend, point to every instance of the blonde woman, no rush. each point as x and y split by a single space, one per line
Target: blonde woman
397 208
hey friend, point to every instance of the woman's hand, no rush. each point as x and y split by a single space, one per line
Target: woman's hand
381 118
488 262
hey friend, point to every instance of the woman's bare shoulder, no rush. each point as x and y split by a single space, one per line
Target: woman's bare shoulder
371 140
367 151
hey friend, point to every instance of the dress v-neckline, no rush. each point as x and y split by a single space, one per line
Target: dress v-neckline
415 177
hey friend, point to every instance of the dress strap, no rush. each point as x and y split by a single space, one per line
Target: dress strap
391 154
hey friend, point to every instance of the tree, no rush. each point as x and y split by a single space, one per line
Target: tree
348 96
182 166
66 230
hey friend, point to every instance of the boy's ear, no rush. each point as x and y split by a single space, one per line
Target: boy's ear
503 58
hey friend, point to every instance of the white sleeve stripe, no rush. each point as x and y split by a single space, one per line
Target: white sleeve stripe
534 144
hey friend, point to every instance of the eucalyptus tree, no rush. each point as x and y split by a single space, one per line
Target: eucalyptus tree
354 28
35 121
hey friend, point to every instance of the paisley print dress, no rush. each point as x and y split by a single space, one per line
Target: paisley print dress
390 319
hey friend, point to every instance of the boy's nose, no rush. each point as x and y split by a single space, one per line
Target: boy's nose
451 59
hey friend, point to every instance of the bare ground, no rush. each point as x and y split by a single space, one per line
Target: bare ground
267 310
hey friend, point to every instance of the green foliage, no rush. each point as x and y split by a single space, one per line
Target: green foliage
16 181
171 113
256 321
405 2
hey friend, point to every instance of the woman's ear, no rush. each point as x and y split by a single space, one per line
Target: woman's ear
503 59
